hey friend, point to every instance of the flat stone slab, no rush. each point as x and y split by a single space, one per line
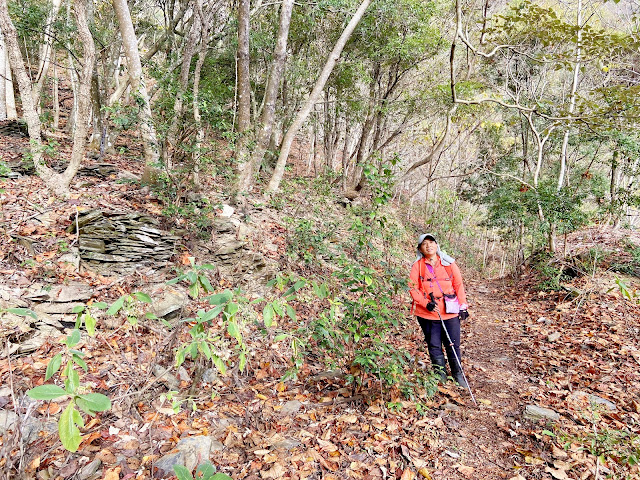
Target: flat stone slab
590 398
533 412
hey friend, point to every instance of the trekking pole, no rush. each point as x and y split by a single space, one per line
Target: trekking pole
456 357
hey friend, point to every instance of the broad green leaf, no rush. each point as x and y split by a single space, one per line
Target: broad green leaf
280 337
267 315
173 281
81 362
78 309
54 365
180 356
90 324
291 312
116 306
234 331
221 476
206 350
194 290
193 350
69 432
182 472
231 309
219 363
74 338
242 361
153 316
72 382
93 402
142 297
47 392
207 316
278 308
205 471
24 312
99 305
204 281
220 298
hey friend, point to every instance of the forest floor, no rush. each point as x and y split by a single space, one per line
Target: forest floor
555 375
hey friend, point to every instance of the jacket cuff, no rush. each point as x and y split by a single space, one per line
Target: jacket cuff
464 306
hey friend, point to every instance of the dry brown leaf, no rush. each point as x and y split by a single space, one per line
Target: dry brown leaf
407 474
559 474
348 418
276 471
559 453
112 474
465 470
327 446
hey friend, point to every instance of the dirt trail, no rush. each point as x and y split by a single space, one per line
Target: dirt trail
481 441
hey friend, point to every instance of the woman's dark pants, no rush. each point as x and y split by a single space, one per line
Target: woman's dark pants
436 338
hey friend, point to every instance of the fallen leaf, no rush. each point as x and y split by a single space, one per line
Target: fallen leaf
276 471
407 474
112 474
425 473
559 474
466 470
559 453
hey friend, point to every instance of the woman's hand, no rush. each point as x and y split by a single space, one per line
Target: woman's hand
463 315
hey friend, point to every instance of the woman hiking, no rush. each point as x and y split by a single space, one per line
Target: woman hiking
438 292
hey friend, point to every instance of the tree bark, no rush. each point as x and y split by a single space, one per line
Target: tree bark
572 96
302 115
267 118
46 50
84 92
244 97
3 80
136 77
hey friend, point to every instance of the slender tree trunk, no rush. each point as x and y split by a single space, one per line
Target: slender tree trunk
178 106
84 91
302 115
56 99
267 118
73 80
147 128
572 97
244 95
3 81
46 50
10 99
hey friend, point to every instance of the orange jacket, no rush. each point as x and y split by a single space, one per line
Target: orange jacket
422 284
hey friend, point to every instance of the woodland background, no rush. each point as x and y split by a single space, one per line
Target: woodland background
209 211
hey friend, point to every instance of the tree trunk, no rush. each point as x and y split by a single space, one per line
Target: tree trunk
244 95
84 92
302 115
572 97
56 99
7 82
265 124
3 81
178 106
136 77
46 50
